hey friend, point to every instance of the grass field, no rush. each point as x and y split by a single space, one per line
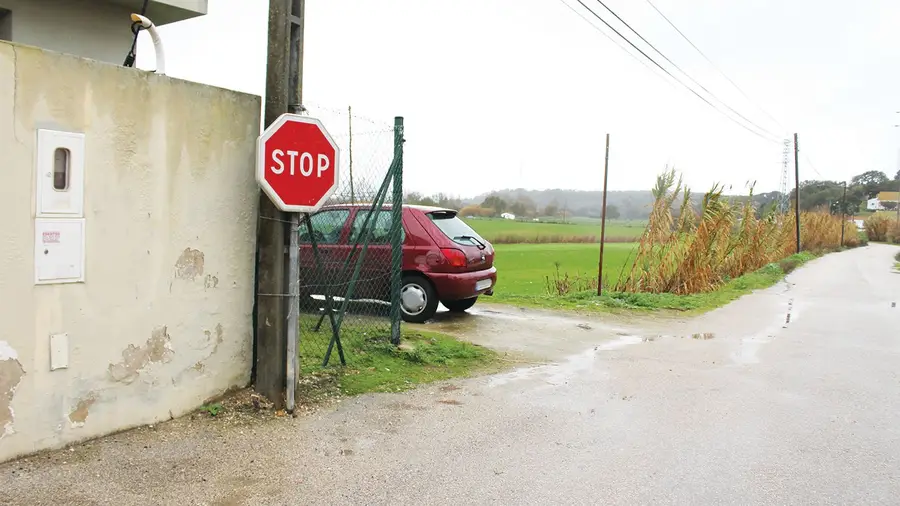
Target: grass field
523 268
508 231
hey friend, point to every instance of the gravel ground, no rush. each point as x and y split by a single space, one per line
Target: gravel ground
744 405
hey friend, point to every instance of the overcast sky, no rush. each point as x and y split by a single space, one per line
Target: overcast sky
520 93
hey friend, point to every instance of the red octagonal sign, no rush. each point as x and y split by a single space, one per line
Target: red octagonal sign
297 163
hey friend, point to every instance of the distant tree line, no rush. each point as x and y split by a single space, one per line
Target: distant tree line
635 205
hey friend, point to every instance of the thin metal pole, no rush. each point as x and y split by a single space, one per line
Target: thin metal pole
797 191
843 213
603 220
295 106
293 332
350 125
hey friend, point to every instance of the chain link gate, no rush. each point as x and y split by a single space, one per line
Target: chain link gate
351 250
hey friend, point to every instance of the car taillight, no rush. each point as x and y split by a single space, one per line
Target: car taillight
455 257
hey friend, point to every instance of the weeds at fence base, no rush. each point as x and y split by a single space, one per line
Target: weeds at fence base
588 300
378 366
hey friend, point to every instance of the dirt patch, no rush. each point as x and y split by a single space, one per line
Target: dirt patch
450 402
450 388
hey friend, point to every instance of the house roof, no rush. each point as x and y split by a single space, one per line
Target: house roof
888 196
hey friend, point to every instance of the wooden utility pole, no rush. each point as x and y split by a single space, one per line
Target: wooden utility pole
284 64
843 214
603 220
797 191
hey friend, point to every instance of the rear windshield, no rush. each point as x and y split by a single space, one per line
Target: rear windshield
456 229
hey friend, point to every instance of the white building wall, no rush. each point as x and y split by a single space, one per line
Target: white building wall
162 320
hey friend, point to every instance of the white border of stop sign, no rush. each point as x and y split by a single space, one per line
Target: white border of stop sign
262 164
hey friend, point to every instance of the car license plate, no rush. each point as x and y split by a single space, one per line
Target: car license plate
484 284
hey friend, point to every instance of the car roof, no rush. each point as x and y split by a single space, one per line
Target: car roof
424 209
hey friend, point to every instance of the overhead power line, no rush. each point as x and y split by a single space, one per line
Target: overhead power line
716 67
711 94
601 32
666 71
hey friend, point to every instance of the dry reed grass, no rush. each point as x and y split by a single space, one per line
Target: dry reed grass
893 232
702 249
882 228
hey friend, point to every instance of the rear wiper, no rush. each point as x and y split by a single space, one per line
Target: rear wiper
481 245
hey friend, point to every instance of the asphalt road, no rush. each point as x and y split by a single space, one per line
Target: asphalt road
787 396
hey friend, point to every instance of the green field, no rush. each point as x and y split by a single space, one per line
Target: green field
499 230
522 269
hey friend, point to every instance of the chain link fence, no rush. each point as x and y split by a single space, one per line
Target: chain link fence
350 250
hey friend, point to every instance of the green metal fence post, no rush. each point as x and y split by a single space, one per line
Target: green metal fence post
397 231
329 300
351 287
379 195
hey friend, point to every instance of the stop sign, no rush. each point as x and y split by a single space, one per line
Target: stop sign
297 163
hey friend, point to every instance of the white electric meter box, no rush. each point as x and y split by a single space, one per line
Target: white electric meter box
60 174
58 250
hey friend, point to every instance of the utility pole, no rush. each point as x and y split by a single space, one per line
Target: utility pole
284 63
797 191
603 220
843 214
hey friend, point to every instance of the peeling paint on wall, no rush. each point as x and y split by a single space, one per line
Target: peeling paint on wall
11 373
80 413
189 264
157 349
220 337
211 281
213 337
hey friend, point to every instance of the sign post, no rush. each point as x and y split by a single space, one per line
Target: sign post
297 167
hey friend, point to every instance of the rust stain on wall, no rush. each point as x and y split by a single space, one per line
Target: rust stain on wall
189 264
80 413
157 349
11 372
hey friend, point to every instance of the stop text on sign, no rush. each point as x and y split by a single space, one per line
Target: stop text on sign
306 162
297 163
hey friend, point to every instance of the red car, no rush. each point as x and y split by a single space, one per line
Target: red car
444 260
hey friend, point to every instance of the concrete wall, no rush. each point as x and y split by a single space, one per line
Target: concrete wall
163 319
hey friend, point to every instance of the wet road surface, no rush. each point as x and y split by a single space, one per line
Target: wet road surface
788 396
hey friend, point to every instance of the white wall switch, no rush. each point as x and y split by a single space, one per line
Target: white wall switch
59 351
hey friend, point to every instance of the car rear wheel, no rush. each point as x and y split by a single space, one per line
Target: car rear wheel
418 300
458 306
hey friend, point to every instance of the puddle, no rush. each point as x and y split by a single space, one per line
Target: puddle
748 349
747 352
561 373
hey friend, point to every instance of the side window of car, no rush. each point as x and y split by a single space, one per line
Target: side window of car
326 225
381 228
